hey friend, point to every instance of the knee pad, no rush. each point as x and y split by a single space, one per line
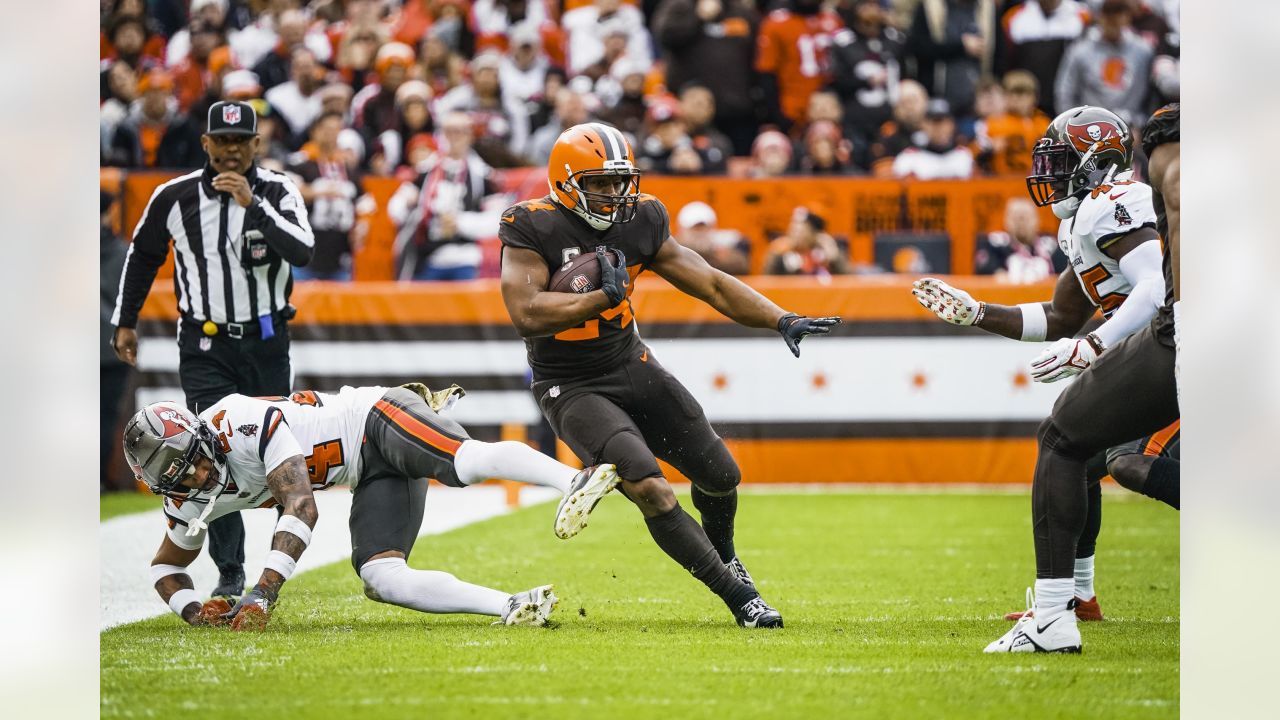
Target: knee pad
716 472
627 450
380 579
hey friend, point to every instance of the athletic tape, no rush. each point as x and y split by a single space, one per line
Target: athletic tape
1035 324
164 571
291 524
181 599
281 562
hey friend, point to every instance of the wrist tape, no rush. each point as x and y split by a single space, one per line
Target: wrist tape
1035 324
163 571
181 599
292 525
281 562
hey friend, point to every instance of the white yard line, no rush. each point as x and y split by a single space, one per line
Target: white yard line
127 543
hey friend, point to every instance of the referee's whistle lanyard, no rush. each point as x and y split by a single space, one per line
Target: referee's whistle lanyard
265 324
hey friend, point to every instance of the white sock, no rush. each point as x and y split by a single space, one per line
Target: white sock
1084 578
476 461
391 581
1053 593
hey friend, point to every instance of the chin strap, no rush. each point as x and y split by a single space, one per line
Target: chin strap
198 525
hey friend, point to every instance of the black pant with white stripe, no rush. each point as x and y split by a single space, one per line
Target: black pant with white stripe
222 366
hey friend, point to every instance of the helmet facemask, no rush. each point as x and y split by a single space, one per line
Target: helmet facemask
602 209
165 463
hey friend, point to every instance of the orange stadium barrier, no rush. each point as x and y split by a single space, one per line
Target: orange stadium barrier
856 208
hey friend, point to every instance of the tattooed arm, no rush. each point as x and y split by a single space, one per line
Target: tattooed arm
291 487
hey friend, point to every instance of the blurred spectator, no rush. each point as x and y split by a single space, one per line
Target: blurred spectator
129 40
626 112
442 67
146 135
545 108
355 42
413 104
191 73
272 153
988 102
806 249
940 157
205 16
826 152
336 97
1164 42
120 89
953 43
241 85
1020 253
791 58
502 128
866 62
665 133
616 50
713 42
327 178
725 250
374 107
1109 67
586 29
770 155
271 33
273 68
524 67
442 214
493 21
697 110
114 375
823 105
903 131
571 109
1037 33
1004 141
297 102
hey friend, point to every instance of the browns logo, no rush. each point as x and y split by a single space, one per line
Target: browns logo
1103 134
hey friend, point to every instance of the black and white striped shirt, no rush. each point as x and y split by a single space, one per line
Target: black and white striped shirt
208 229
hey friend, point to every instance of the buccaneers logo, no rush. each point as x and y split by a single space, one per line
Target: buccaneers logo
172 423
1102 134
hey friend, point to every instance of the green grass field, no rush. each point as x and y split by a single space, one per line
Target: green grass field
888 599
124 503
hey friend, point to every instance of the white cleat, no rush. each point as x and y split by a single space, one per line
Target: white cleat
585 491
531 607
1048 630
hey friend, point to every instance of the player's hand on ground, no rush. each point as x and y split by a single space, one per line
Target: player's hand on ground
950 304
252 611
613 278
212 612
1062 359
795 327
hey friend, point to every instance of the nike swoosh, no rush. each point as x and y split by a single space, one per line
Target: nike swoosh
1118 195
509 218
1041 629
645 356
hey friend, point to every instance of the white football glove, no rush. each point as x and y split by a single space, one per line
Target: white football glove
950 304
1062 359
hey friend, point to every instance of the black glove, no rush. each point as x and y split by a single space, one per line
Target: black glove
613 278
794 327
262 597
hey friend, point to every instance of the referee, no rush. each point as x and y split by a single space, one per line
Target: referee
237 229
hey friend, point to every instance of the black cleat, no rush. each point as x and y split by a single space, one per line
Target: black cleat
756 613
230 584
735 566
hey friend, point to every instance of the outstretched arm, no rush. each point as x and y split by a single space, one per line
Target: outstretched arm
1062 317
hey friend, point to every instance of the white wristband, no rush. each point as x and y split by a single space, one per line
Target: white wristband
164 571
181 599
291 524
1035 324
281 562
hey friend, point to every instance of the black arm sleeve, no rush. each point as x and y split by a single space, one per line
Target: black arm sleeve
280 215
147 252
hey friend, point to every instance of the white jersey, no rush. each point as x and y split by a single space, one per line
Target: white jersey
1105 214
259 434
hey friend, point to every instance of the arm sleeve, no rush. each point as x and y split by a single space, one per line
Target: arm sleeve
146 254
1141 266
281 216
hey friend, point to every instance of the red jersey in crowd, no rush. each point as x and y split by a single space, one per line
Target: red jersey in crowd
794 48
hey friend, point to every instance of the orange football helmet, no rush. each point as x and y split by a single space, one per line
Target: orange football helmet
593 150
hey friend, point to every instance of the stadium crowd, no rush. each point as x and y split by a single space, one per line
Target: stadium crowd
437 93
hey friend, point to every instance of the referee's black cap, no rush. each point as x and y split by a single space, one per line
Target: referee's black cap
232 118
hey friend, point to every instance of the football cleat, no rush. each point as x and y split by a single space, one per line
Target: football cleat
230 584
585 491
531 607
739 571
1086 611
756 613
1052 630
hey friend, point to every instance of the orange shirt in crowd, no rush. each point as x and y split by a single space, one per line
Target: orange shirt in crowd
794 48
1012 137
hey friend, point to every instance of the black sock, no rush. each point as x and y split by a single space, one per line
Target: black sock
1092 522
1164 482
717 519
680 536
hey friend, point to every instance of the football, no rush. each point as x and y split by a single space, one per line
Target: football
579 275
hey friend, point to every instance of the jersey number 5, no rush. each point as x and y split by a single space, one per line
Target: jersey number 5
324 457
1092 279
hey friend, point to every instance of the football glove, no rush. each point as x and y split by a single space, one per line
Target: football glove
950 304
794 327
439 400
1062 359
613 278
213 612
252 610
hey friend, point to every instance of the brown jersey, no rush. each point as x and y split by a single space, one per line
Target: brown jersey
1162 128
603 342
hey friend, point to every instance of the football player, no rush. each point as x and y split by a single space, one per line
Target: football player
601 388
1108 233
385 443
1086 417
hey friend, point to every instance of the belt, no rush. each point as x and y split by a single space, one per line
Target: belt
233 330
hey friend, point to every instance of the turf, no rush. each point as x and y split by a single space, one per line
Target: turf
124 503
888 600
